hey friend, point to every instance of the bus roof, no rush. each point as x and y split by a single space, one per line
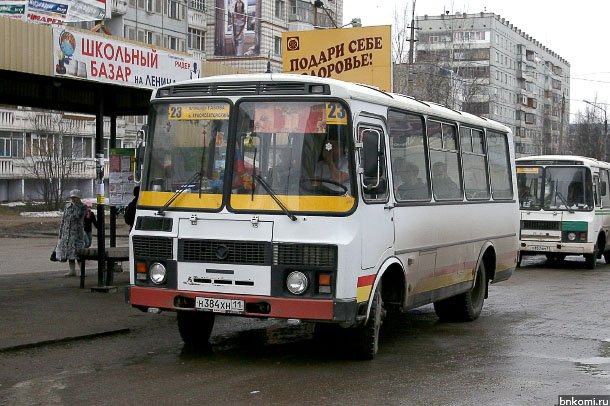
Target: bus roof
560 160
345 90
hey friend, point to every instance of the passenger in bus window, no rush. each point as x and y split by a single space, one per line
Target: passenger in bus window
444 187
334 163
409 186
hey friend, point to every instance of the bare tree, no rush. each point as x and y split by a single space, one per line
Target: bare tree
49 156
588 136
400 49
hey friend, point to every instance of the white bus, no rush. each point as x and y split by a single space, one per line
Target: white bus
296 197
565 207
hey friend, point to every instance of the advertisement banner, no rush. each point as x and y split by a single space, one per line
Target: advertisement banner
121 178
361 55
90 56
54 11
237 28
13 9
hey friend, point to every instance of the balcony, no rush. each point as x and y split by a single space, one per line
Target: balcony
26 168
119 6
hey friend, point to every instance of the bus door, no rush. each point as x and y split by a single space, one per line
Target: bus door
376 211
604 192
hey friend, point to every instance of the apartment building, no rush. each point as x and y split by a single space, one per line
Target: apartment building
503 73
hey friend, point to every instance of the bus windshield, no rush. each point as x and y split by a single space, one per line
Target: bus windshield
555 188
294 151
186 153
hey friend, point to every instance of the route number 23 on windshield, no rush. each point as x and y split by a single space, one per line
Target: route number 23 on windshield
335 113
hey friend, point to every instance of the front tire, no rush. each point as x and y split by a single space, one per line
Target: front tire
466 306
195 327
591 260
366 337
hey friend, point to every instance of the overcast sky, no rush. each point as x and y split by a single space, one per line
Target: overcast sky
576 31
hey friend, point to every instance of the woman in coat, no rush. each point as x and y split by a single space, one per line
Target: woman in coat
71 231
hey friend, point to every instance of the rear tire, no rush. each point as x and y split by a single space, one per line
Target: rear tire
366 337
607 257
195 327
466 306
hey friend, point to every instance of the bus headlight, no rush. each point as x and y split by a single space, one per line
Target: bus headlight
297 282
571 236
157 273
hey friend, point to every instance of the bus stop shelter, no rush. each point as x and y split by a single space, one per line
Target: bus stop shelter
29 66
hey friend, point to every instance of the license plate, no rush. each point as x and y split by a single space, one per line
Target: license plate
539 248
219 305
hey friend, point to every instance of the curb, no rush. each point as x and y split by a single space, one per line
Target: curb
64 340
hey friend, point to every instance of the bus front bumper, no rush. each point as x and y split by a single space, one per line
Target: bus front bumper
145 298
555 247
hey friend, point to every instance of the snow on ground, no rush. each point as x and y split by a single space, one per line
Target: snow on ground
41 214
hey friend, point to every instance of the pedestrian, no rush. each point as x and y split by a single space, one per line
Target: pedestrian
89 222
71 231
130 211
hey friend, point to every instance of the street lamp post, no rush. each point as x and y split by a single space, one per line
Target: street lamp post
605 127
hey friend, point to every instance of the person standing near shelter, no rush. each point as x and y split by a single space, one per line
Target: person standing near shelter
130 211
89 221
71 231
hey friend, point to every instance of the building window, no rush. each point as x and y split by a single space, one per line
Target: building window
198 5
196 39
174 43
280 5
11 145
277 46
175 10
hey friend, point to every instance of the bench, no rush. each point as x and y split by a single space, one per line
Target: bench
112 255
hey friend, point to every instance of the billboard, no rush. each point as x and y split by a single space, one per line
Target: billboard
237 29
55 11
94 57
361 55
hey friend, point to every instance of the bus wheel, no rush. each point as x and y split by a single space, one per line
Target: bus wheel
591 260
607 257
466 306
195 327
366 336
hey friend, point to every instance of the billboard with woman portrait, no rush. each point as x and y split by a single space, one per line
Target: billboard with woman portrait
237 30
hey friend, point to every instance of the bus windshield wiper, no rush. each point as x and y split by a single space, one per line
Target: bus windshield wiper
197 176
274 196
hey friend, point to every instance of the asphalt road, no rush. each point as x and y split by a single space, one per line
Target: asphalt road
543 333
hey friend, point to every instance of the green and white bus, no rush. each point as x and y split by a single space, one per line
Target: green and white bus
565 207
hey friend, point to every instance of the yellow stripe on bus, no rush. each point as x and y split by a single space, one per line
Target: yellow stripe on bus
186 200
363 293
334 204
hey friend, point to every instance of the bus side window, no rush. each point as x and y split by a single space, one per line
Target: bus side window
408 156
604 187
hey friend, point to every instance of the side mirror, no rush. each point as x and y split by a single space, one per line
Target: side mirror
603 188
371 148
372 162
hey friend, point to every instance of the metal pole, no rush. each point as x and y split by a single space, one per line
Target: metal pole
99 156
411 52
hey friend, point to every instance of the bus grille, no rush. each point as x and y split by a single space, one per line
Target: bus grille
225 252
156 247
540 225
305 255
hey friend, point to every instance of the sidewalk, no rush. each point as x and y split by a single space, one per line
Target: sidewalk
42 308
